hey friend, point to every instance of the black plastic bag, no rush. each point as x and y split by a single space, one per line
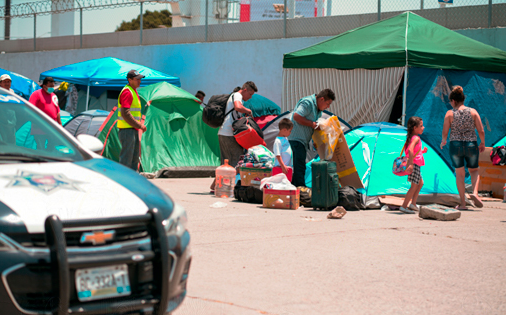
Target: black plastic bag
249 194
350 198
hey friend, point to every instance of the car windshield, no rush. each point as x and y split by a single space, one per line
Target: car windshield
27 136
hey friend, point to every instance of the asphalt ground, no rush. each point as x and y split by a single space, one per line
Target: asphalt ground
251 260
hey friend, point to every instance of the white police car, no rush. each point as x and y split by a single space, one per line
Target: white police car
80 233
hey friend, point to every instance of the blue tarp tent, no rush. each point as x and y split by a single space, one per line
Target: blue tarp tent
65 116
21 85
427 97
375 146
262 106
501 142
99 75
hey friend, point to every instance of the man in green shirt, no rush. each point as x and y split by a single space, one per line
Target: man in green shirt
304 117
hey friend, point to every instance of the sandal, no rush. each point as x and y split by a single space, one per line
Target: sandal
477 202
460 208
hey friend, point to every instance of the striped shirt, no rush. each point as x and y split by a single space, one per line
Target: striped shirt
307 108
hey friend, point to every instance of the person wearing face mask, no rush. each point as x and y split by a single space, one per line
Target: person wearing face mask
45 100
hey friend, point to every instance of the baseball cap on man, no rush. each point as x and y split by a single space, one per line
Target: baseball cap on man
46 80
5 77
134 74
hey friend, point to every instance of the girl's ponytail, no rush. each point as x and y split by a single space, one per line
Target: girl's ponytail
413 122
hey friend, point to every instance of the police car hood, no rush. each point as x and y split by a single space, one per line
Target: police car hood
33 191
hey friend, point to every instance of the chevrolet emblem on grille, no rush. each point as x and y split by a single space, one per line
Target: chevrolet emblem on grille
98 237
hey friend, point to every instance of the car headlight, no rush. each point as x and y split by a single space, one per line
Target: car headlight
177 221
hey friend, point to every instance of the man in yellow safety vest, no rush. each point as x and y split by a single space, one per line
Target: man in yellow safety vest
129 121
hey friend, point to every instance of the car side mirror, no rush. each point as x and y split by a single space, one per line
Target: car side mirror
91 143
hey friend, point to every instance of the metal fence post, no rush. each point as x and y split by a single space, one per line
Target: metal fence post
489 13
379 10
421 4
7 21
207 16
284 18
81 27
141 25
34 32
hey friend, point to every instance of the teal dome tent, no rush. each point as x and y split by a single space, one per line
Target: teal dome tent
374 147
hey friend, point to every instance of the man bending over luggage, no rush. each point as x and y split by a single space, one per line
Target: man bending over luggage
229 148
304 117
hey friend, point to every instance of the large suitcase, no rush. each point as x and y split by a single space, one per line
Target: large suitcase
325 190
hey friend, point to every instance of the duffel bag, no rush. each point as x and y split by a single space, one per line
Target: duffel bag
247 133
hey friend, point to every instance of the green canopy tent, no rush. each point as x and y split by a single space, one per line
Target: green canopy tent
366 65
408 61
177 142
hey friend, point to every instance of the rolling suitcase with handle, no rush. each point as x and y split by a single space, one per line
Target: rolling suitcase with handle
325 190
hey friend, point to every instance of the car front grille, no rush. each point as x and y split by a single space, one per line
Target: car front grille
121 235
73 238
31 286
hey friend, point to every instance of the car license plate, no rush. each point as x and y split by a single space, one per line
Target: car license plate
102 282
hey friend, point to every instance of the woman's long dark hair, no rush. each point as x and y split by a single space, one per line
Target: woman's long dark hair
413 122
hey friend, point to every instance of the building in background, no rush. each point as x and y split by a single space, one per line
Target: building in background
62 24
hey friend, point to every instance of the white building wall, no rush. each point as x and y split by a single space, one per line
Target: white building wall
62 24
214 68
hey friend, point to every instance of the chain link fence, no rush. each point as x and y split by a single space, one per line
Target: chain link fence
223 20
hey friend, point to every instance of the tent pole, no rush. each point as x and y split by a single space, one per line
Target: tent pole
87 97
141 25
405 87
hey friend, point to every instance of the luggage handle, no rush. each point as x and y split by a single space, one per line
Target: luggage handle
317 184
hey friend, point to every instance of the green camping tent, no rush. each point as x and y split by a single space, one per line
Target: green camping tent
177 142
401 67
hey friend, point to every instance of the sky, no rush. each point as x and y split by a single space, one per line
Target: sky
106 20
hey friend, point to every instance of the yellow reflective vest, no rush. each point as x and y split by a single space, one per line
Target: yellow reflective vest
135 108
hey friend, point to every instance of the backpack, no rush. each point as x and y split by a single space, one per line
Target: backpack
214 112
498 155
247 133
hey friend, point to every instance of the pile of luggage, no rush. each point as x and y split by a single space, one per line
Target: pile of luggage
254 166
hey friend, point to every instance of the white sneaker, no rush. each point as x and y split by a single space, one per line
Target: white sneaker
413 207
406 210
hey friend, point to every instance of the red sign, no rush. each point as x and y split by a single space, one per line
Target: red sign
245 11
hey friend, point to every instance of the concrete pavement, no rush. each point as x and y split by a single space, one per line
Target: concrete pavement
251 260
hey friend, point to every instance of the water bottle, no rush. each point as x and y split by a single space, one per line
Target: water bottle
225 181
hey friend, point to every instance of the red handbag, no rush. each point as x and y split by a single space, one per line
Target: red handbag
247 133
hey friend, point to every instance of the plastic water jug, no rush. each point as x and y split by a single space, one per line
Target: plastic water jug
225 181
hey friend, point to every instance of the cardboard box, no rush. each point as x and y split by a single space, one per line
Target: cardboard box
253 176
346 170
492 177
281 199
